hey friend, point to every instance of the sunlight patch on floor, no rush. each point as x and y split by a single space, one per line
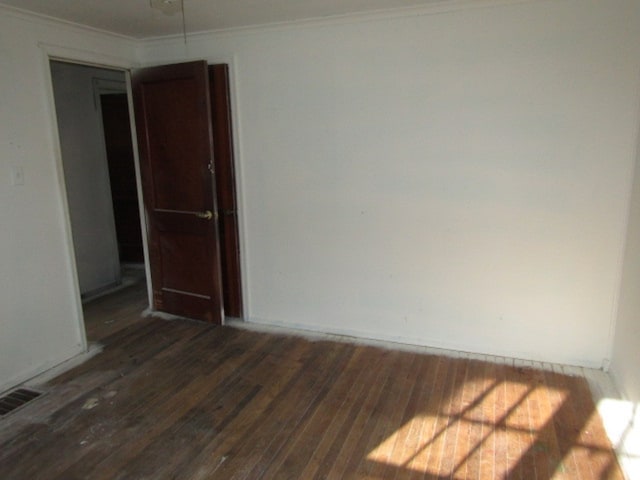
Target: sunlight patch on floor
622 422
482 431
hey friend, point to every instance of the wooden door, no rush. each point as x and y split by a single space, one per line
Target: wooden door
122 176
173 117
226 189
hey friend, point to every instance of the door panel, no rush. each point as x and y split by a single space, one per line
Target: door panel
173 117
225 188
173 106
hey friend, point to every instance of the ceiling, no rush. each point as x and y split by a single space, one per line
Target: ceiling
136 18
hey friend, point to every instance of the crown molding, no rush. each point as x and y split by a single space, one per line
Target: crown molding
437 8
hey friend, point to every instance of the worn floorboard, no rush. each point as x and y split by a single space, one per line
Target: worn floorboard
186 400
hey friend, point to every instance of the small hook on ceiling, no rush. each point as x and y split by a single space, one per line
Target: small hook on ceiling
168 7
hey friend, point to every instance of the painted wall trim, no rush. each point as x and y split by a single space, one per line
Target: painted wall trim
63 204
40 369
86 57
424 342
141 210
236 100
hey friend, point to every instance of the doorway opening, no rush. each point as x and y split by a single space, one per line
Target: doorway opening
183 123
92 112
104 190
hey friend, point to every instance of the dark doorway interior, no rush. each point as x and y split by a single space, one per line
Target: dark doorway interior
122 175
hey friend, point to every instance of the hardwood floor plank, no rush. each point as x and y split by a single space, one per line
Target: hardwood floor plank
500 433
592 443
127 349
271 377
111 313
34 446
186 400
296 436
162 403
418 463
385 420
537 420
283 415
293 460
454 413
181 438
547 438
350 447
560 399
345 408
487 418
517 424
87 430
467 464
441 425
418 383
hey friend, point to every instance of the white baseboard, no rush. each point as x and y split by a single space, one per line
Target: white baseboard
421 343
58 364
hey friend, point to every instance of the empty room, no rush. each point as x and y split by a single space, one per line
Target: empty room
320 239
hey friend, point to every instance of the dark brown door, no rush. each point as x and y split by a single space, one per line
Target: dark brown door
122 175
173 118
226 189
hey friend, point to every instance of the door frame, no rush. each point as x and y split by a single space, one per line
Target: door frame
66 54
235 101
107 62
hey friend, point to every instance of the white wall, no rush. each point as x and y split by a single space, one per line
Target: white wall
86 172
457 180
39 304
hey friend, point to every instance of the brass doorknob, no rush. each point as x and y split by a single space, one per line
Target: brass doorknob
207 215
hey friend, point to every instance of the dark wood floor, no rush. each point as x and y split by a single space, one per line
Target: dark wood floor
185 400
110 313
